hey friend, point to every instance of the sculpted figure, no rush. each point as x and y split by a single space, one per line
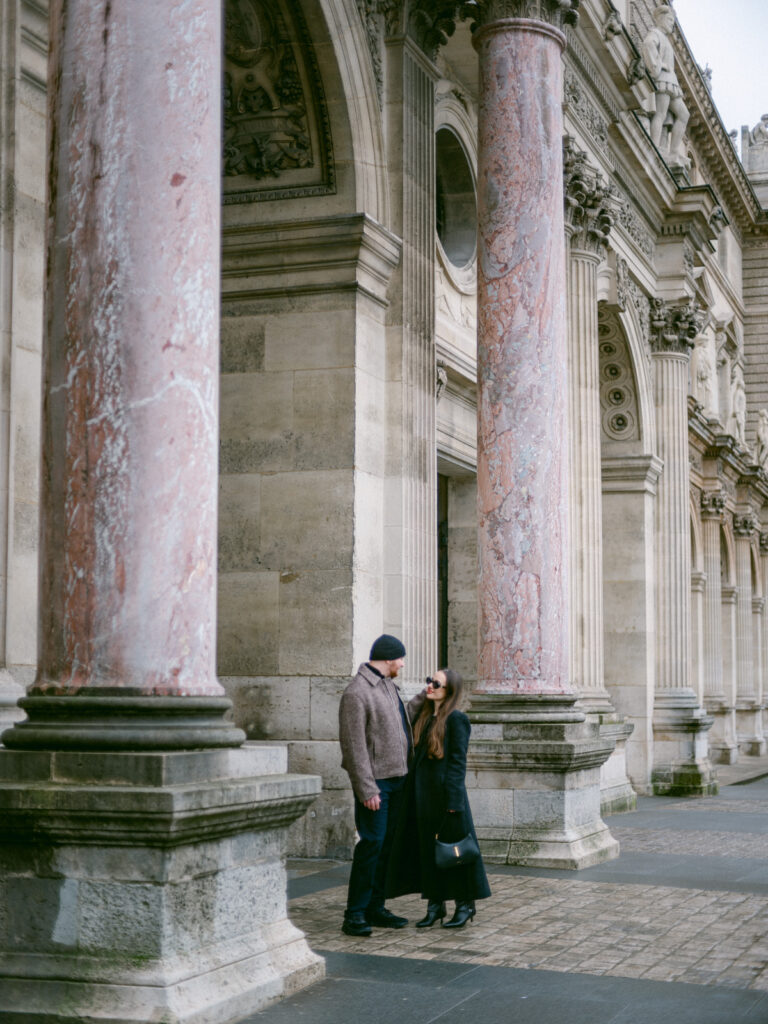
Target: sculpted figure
704 374
659 58
738 405
762 438
759 134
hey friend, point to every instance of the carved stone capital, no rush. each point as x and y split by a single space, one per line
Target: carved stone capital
745 525
612 25
712 504
430 23
764 543
672 328
557 13
590 203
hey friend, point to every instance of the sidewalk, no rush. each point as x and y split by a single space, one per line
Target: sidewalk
673 931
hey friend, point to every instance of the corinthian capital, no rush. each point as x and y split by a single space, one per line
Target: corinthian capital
554 12
673 328
712 504
745 524
764 543
590 203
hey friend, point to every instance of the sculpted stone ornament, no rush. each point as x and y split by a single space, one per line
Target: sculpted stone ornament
712 504
745 525
764 543
738 419
674 328
612 25
759 134
590 203
761 446
555 12
659 58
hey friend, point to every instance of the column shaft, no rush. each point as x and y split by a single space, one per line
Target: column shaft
673 544
713 616
522 360
586 591
131 366
745 677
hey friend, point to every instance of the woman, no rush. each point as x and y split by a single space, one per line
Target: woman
436 801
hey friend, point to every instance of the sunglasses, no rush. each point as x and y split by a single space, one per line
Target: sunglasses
434 683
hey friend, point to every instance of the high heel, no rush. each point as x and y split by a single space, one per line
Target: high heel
464 912
434 911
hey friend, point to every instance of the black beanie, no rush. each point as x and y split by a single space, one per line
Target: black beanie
387 648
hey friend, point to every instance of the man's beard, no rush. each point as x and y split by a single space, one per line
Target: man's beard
393 671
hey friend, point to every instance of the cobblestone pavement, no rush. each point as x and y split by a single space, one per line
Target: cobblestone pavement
628 931
674 931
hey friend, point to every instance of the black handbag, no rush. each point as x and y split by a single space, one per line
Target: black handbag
452 855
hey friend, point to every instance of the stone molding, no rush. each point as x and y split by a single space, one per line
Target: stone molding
345 253
631 473
713 504
674 327
590 203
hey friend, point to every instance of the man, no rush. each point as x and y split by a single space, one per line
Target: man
376 743
659 58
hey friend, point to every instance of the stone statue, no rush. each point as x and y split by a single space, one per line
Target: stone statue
659 58
738 423
703 375
759 134
761 447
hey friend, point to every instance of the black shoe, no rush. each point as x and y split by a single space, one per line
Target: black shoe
380 917
434 911
356 924
464 912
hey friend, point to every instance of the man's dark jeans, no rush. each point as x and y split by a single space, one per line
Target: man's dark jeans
369 862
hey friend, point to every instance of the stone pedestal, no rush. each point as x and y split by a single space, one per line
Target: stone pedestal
535 760
534 782
148 887
680 724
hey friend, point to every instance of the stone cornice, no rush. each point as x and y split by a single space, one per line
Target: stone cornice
706 131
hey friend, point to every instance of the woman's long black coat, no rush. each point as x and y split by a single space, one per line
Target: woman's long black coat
433 787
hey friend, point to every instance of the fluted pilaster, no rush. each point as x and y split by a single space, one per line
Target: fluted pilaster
745 527
712 507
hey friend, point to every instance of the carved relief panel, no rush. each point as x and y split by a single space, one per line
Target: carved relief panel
277 139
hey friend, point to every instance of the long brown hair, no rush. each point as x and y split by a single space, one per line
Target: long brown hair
454 689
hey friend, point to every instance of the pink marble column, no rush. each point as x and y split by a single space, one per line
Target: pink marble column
130 422
522 355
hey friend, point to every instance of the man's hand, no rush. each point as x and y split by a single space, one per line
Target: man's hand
373 804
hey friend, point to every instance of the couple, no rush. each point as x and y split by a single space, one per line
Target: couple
397 811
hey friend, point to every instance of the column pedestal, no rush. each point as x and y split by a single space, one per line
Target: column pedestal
534 782
157 881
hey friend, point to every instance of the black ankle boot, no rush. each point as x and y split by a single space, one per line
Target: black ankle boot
434 911
464 912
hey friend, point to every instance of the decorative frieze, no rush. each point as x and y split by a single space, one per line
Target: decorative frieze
590 203
630 294
674 327
577 100
634 227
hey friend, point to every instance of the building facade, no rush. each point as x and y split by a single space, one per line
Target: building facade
493 378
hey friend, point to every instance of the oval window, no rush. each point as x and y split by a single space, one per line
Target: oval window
456 213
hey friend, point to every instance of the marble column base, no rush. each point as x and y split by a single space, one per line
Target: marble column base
534 782
749 728
148 886
617 793
10 693
681 764
723 747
